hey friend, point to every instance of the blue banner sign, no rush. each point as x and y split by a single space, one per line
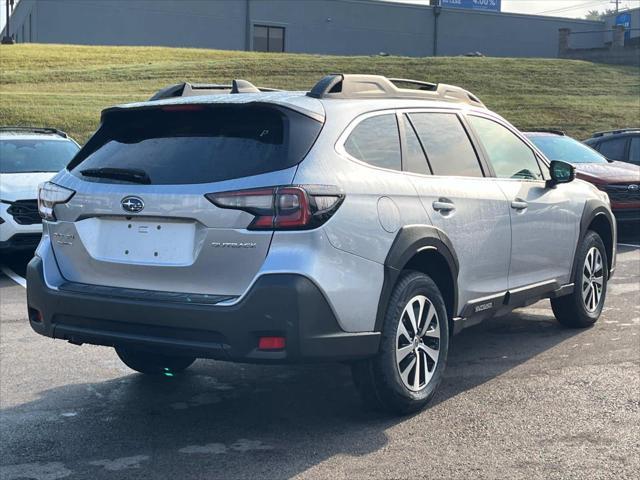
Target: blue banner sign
624 19
492 5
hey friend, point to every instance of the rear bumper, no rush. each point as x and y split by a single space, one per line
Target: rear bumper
277 305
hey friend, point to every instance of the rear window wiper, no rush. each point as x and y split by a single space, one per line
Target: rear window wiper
126 174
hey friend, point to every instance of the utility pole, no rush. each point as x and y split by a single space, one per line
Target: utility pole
617 2
8 39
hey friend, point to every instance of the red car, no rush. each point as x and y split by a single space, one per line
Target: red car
620 180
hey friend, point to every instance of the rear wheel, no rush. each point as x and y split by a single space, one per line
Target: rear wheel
153 363
583 307
403 377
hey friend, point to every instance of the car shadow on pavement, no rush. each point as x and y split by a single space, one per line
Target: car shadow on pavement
223 420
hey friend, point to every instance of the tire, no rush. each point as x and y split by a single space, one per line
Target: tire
583 307
388 385
153 363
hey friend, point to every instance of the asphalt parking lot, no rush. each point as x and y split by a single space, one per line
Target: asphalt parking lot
522 398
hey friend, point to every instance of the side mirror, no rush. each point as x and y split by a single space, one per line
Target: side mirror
561 172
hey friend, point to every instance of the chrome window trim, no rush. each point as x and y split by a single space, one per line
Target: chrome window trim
342 138
341 150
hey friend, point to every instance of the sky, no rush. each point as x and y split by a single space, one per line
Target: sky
559 8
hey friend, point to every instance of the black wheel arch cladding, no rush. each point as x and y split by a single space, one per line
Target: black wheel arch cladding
410 241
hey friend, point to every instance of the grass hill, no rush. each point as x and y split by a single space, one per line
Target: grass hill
67 86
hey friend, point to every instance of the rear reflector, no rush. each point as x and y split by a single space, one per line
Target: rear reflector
271 343
35 315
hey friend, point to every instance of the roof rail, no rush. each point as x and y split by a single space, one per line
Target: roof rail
186 89
376 86
613 132
556 131
24 128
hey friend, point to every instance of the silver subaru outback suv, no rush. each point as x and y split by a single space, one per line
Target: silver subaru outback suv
367 220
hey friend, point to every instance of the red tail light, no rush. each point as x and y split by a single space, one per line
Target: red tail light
283 208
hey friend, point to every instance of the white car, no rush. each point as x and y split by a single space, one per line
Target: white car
28 157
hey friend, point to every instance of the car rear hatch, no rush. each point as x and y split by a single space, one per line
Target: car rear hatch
140 218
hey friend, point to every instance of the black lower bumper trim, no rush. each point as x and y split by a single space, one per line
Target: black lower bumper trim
285 305
627 215
21 241
139 294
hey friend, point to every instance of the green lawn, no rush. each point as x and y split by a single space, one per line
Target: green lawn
67 86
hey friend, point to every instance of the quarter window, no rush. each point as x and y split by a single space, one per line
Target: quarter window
509 156
614 149
376 141
446 144
268 39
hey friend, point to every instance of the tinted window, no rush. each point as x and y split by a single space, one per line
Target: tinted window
376 141
634 152
268 39
415 162
614 149
276 39
200 144
260 38
557 147
22 156
446 144
509 156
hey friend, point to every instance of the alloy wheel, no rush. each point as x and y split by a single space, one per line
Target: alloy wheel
592 280
417 343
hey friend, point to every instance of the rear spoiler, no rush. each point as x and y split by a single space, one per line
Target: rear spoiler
186 89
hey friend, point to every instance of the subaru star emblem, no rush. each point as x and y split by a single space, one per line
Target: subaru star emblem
132 204
633 188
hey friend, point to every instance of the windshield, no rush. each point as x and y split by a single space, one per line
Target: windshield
24 156
567 149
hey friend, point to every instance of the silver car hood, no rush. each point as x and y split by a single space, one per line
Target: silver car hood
22 186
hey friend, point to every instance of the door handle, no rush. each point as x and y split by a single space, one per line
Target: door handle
443 206
518 204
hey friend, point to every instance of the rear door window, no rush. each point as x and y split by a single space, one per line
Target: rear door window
447 145
188 144
375 140
614 149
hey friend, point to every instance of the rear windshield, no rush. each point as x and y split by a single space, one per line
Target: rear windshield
27 156
186 144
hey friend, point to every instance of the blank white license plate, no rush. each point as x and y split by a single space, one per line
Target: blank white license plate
146 241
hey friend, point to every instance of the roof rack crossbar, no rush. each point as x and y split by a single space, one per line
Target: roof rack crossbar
187 89
26 128
339 85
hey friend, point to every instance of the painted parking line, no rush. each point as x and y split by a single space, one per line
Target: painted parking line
14 276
